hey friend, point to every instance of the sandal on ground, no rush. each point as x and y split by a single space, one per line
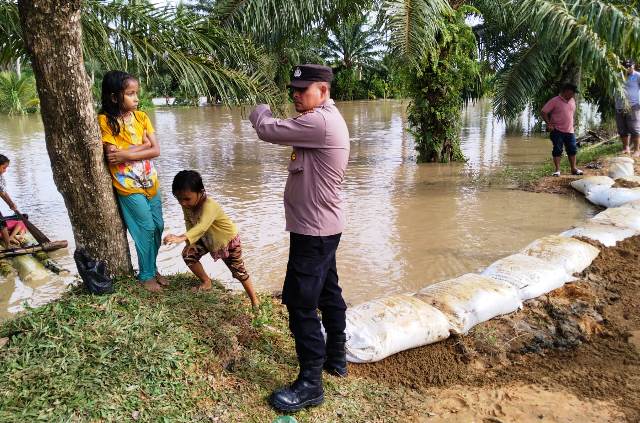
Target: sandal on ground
556 173
577 172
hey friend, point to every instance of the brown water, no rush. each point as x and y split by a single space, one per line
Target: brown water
408 224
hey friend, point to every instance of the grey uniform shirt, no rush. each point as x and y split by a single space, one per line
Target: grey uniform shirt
320 141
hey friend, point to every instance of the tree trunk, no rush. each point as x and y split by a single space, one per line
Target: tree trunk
53 38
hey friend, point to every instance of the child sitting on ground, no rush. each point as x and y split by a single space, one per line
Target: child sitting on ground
16 227
209 230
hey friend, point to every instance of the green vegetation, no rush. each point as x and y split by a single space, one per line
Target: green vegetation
18 95
176 356
439 53
524 177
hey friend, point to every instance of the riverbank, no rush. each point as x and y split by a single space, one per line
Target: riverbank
574 353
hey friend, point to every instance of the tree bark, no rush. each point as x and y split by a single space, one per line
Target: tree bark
52 34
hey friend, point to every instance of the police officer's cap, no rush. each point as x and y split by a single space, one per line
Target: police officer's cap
305 75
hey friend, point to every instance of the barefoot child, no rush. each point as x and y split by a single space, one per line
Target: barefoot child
209 230
130 144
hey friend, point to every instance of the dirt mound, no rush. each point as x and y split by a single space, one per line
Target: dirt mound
580 341
438 364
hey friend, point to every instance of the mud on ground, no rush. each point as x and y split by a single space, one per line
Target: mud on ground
571 355
560 184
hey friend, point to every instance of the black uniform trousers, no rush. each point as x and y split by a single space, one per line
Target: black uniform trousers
311 283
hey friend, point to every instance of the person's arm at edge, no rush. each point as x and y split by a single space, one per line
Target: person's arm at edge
306 131
545 112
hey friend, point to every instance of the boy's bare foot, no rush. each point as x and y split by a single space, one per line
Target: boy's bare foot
203 287
152 285
162 280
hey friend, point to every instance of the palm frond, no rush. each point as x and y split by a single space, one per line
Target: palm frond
11 45
196 51
516 84
414 25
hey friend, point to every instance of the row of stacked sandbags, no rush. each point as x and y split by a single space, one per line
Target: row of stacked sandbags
382 327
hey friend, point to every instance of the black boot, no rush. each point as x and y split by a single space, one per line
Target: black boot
336 362
304 392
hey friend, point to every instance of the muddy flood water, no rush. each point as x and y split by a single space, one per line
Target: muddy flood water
408 225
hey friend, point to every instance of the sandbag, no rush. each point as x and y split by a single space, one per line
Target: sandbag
632 204
607 235
621 166
382 327
568 253
613 197
621 217
531 276
471 299
586 185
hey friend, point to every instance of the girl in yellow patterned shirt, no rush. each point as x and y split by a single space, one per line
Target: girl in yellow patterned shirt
130 144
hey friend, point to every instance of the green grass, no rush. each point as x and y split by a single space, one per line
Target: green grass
525 176
175 356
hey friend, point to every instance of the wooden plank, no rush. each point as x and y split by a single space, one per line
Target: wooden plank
47 246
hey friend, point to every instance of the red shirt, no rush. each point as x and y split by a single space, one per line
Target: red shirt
560 113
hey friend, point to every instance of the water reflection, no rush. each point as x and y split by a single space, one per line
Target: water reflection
408 224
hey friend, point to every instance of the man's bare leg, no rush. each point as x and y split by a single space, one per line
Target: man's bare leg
634 145
556 163
572 162
625 144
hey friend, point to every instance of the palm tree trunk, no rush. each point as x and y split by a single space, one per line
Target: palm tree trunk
52 36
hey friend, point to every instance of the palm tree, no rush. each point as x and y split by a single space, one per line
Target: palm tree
18 95
353 43
540 43
138 37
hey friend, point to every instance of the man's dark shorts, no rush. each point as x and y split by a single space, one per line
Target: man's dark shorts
566 139
628 123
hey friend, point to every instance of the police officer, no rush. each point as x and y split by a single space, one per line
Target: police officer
315 220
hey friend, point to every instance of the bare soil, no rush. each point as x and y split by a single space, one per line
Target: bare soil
560 184
571 355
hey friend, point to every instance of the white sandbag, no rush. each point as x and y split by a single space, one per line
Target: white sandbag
471 299
622 217
621 166
632 205
613 197
586 185
607 235
382 327
531 276
568 253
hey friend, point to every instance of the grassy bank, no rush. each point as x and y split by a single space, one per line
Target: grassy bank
524 177
175 356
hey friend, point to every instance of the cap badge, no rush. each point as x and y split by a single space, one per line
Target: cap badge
297 73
